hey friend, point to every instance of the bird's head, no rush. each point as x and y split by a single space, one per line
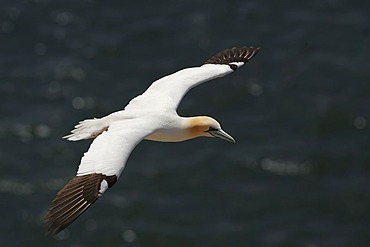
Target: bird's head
208 127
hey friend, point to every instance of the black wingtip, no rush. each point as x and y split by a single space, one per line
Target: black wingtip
74 199
235 54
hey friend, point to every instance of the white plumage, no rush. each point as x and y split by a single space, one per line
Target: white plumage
151 115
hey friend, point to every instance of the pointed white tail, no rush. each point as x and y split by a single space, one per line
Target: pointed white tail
87 129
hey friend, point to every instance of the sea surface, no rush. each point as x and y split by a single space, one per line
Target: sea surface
298 175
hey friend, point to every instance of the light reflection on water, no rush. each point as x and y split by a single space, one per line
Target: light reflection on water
8 186
285 168
298 174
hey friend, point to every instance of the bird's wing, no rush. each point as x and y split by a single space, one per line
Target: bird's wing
100 168
167 92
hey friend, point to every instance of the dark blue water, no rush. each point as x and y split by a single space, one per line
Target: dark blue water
299 174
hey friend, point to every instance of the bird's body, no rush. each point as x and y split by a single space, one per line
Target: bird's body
151 116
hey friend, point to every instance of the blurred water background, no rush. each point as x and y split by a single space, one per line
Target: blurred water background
298 175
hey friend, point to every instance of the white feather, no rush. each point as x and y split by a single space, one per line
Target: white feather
110 150
151 115
155 109
163 95
166 93
152 111
86 129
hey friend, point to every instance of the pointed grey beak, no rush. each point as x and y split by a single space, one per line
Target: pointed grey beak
222 135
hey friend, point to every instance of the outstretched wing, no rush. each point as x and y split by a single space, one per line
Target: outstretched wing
168 91
100 168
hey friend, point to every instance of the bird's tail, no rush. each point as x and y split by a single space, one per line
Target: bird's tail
87 129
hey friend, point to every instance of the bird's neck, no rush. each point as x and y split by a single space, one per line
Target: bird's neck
190 127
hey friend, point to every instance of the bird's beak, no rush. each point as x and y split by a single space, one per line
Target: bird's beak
222 135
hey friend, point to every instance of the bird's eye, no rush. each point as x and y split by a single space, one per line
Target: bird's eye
211 129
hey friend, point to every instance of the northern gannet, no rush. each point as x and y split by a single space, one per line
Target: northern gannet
151 116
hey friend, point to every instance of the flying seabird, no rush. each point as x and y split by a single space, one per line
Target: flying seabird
150 116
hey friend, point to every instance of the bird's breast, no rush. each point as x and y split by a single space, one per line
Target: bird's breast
170 136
